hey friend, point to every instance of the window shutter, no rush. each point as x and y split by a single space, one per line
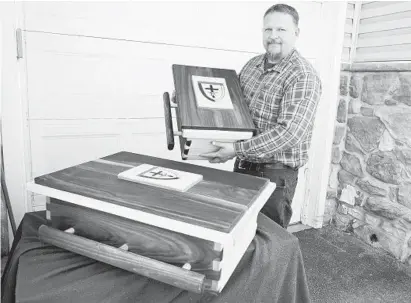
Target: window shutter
384 32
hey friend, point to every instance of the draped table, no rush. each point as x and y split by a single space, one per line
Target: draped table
271 270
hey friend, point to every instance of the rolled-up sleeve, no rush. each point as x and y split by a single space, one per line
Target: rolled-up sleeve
296 117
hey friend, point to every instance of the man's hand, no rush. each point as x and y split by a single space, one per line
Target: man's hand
225 153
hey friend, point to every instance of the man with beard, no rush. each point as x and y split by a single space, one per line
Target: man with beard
282 90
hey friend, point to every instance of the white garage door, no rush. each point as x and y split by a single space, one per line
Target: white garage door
96 72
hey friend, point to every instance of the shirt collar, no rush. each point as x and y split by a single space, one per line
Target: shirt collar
280 65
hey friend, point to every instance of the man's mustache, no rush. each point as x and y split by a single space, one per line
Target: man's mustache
274 41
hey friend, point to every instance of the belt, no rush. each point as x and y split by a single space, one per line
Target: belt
243 164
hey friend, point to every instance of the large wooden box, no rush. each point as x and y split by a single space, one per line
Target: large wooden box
209 106
203 231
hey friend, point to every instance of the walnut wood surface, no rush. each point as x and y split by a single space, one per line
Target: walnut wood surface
142 239
218 202
228 178
193 117
151 268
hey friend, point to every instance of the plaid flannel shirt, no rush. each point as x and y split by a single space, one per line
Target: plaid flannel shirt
283 101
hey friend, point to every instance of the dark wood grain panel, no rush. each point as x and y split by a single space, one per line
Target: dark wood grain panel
150 268
146 240
193 117
208 204
232 179
231 197
161 202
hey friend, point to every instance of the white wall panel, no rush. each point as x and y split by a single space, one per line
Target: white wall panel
57 144
223 25
78 77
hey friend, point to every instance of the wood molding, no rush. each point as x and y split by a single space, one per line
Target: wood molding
323 133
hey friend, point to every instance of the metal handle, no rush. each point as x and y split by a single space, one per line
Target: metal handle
168 121
161 271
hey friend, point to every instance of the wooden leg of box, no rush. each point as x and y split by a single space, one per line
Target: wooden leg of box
124 247
235 253
211 286
48 215
70 230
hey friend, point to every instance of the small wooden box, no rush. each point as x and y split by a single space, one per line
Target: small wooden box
206 229
209 106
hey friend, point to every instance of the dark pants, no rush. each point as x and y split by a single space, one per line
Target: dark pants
278 206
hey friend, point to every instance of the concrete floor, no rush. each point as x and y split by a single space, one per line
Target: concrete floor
341 268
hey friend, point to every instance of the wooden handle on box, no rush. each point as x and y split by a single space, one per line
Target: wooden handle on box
168 120
157 270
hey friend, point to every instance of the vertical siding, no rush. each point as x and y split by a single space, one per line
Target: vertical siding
384 32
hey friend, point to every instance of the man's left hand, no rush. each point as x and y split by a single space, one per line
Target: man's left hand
225 153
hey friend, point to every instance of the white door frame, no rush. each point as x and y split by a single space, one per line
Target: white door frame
16 144
318 167
16 136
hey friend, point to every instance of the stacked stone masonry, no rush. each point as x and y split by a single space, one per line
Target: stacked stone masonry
369 190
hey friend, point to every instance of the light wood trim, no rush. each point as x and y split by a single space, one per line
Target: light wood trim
216 134
132 214
235 252
226 239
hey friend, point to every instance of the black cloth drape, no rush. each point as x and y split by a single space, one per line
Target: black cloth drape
271 270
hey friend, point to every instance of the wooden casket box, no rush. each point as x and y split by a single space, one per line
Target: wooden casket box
191 236
209 106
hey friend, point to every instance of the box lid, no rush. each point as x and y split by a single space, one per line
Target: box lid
217 202
228 111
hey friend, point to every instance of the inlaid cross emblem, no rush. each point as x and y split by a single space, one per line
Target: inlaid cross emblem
159 174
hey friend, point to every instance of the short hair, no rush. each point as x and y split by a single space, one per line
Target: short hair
284 8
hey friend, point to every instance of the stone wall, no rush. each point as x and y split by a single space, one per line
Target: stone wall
369 191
